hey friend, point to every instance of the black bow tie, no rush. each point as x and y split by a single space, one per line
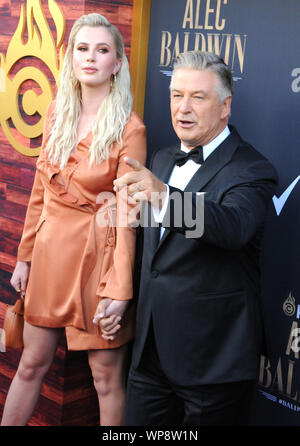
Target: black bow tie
195 154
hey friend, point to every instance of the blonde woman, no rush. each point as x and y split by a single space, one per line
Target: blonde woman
76 266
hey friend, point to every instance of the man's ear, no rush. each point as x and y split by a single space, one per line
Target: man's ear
226 107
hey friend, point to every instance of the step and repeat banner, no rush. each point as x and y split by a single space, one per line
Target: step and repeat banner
260 42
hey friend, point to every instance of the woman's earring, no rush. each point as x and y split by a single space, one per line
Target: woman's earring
113 81
75 81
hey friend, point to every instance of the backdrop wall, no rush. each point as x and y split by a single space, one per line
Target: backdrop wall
260 42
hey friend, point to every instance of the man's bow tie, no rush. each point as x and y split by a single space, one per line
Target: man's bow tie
195 154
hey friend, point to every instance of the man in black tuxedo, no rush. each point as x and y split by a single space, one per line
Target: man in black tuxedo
199 325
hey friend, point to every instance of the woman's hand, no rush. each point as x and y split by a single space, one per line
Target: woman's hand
20 277
108 315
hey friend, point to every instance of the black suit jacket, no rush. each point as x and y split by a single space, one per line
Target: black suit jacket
204 293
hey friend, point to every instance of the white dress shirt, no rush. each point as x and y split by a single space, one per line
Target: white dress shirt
181 175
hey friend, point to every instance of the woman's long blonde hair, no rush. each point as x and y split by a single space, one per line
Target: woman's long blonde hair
112 114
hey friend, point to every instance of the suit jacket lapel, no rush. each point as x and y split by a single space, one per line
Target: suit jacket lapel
164 168
214 163
162 171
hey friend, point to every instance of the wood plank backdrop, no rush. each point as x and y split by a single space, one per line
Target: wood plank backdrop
68 396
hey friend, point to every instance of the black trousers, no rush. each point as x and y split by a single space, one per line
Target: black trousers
152 400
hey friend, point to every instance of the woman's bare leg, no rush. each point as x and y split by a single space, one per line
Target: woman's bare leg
39 349
109 372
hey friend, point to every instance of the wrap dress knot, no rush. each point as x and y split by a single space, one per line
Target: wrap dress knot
79 252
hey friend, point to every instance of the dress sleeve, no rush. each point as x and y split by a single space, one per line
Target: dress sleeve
116 283
33 213
35 205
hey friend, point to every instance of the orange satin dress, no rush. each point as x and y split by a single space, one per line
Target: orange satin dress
79 251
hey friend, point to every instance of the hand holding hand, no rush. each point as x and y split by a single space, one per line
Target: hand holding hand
108 315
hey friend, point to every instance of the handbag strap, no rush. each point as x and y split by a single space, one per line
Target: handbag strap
18 308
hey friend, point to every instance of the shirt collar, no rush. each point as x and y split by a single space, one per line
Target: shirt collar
212 145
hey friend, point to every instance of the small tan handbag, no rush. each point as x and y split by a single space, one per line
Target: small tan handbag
14 324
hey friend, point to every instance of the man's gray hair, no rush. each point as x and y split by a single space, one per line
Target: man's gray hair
203 60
